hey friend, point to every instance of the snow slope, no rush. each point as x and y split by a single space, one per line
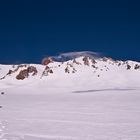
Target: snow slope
78 101
95 115
98 73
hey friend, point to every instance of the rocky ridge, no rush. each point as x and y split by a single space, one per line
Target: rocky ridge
24 71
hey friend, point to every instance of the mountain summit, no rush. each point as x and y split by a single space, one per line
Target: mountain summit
60 99
81 70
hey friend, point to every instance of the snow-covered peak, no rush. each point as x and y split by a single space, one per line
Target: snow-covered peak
80 70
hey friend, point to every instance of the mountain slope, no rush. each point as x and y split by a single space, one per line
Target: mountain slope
80 99
83 72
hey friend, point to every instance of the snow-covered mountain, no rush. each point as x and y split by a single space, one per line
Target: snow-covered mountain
81 71
84 98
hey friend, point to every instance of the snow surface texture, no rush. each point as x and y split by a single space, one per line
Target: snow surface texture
78 101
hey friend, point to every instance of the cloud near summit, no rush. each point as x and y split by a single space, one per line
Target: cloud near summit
72 55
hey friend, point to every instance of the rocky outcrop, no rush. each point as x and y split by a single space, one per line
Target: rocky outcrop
32 69
16 69
47 71
93 61
13 71
22 75
67 70
69 67
26 72
74 70
137 67
119 64
128 67
86 61
46 61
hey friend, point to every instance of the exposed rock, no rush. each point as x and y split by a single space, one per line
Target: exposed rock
32 69
13 66
93 66
119 64
74 70
2 78
67 70
68 64
10 72
13 71
93 61
47 71
137 67
20 66
25 73
22 75
46 61
51 71
2 93
86 60
128 67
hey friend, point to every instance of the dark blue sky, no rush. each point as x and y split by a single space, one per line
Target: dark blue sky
31 29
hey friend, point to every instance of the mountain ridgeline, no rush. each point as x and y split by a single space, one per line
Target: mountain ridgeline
83 69
23 71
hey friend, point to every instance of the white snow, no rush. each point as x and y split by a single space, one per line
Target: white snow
74 106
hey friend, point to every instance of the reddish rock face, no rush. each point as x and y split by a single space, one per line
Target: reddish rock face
25 73
22 74
46 61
